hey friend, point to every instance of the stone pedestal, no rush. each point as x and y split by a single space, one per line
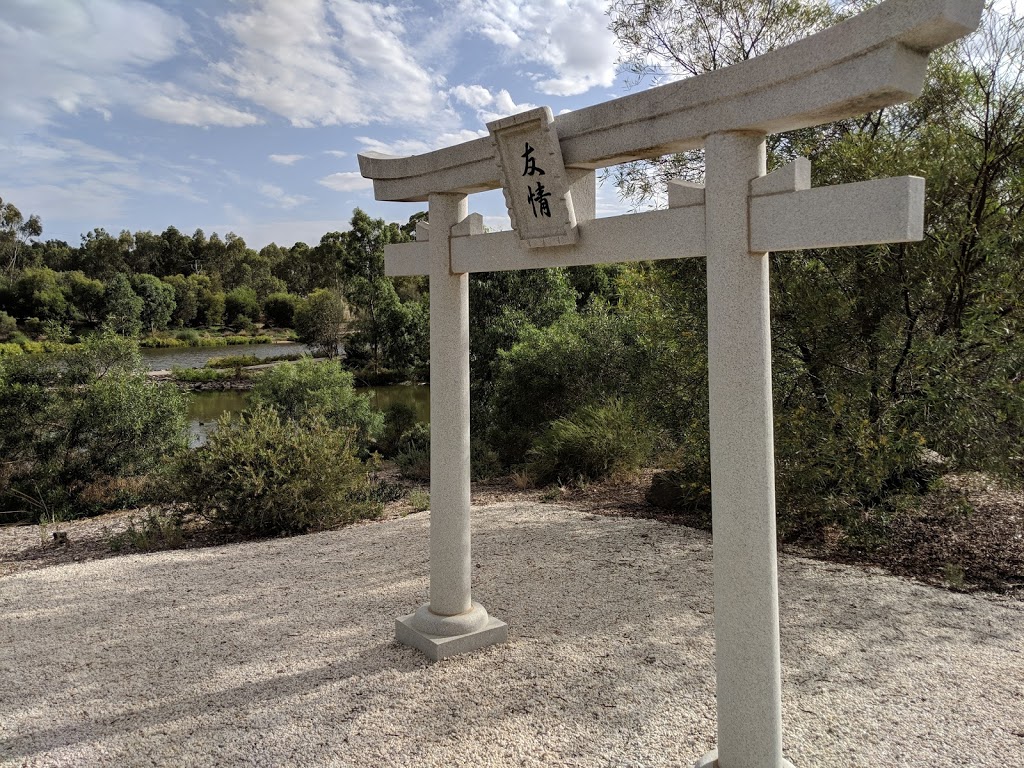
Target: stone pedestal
451 623
441 636
710 760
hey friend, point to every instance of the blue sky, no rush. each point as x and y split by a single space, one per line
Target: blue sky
246 116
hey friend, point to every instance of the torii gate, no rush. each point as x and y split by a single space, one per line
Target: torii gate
546 168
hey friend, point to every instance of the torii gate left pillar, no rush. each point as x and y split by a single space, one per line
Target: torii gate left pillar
451 623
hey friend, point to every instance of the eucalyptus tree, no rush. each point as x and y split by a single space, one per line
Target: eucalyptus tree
878 350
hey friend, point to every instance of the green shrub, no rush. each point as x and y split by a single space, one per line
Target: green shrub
595 442
261 339
80 419
8 327
413 461
261 475
279 309
159 530
551 372
419 500
232 361
399 422
201 375
189 337
10 348
309 388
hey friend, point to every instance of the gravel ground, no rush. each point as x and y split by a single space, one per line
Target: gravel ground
281 653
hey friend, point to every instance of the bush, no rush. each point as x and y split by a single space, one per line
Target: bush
261 475
413 458
241 305
319 322
236 340
399 422
551 372
73 420
232 361
595 442
319 388
8 327
279 309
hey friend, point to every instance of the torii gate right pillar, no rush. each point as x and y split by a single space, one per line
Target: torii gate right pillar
749 689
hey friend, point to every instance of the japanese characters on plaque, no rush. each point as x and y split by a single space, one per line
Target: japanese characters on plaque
533 178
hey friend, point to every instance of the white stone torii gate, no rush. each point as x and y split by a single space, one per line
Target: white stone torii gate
876 59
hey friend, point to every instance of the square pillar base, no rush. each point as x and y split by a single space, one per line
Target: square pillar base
437 647
710 760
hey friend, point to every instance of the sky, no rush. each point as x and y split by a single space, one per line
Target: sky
246 116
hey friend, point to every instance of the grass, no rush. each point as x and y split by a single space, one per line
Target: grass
419 500
159 530
187 339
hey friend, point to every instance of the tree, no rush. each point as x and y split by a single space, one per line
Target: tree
123 310
186 299
157 301
15 233
320 322
241 306
279 309
38 293
878 351
84 295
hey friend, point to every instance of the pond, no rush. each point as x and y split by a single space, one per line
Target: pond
196 357
205 408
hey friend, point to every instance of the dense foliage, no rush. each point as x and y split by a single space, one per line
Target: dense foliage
889 361
76 427
309 388
264 475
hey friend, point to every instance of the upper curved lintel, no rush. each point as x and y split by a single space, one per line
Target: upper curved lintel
874 59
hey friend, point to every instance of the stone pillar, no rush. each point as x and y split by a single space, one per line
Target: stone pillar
742 465
451 623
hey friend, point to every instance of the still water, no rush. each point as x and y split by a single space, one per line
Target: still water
196 357
205 408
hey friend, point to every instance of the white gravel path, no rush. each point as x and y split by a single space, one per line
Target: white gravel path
281 653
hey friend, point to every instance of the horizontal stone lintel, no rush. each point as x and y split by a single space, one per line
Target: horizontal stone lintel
862 213
667 234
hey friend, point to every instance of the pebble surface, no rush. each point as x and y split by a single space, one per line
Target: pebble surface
282 652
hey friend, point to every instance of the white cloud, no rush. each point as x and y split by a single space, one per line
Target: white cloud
176 106
473 95
77 54
404 147
488 106
565 44
277 195
286 159
350 181
335 153
328 62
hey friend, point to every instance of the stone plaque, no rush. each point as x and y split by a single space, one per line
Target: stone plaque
533 178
